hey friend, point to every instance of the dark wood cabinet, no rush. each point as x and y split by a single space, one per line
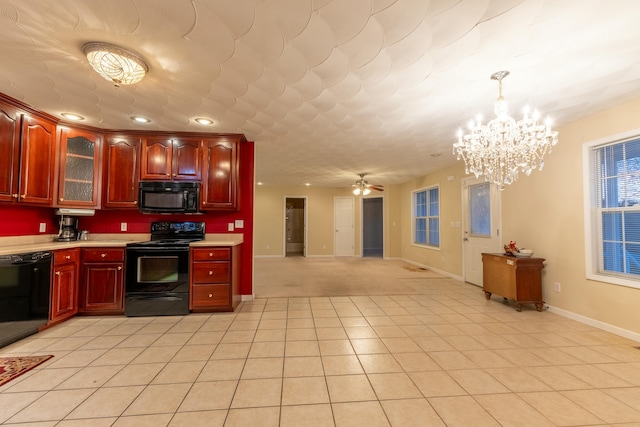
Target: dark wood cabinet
64 286
79 168
171 159
517 279
121 172
220 174
102 281
37 163
9 152
215 278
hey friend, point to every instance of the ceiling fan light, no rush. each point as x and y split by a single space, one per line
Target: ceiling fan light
366 191
118 65
356 191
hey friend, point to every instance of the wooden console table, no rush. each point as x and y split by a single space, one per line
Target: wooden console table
518 279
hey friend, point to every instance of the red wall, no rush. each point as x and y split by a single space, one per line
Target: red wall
18 220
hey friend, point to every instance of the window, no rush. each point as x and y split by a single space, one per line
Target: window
615 212
426 217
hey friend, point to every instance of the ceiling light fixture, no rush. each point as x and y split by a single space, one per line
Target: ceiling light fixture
118 65
503 147
140 119
204 121
72 116
361 188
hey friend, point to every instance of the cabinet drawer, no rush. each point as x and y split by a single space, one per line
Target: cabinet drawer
210 272
210 295
66 256
206 254
105 254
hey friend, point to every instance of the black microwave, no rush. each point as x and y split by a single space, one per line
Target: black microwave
169 197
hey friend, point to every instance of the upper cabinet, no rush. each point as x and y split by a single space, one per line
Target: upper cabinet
220 174
9 152
121 172
37 162
166 159
79 168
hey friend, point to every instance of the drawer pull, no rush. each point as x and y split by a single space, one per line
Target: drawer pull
15 196
103 255
210 295
58 273
210 254
119 268
67 257
210 273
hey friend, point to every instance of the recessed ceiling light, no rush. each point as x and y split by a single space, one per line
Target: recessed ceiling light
72 116
259 183
307 184
140 119
204 121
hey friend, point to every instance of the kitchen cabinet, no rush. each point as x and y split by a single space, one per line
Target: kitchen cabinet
37 160
79 168
171 159
517 279
220 174
9 152
64 286
102 281
215 278
121 172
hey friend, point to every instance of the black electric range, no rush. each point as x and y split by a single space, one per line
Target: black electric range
157 275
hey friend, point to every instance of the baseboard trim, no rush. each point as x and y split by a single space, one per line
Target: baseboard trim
596 323
428 267
247 298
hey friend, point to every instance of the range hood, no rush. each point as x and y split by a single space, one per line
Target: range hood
75 212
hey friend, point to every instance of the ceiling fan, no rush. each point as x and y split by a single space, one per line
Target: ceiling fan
363 187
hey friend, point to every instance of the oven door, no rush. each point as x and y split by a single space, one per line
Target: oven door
157 281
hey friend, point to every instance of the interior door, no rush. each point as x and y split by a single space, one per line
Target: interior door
343 221
482 222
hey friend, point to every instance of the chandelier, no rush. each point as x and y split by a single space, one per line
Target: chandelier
503 147
118 65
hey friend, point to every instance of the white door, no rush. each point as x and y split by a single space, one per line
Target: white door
343 222
481 222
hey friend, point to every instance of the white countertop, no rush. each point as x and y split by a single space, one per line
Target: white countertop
25 244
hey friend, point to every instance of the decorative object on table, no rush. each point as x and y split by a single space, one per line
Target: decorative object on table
512 249
503 147
13 367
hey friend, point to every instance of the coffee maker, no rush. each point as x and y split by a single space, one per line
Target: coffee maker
68 229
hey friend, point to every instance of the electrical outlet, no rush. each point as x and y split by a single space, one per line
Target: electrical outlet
230 226
43 227
556 286
239 223
123 226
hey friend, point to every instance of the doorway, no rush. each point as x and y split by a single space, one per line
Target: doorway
295 230
372 227
481 213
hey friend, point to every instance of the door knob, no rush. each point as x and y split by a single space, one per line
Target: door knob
466 239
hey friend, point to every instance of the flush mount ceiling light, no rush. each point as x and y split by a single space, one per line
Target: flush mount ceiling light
203 121
140 119
72 116
503 147
118 65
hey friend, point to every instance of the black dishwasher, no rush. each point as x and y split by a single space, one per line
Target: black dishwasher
25 282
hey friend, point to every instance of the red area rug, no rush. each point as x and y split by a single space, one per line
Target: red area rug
13 367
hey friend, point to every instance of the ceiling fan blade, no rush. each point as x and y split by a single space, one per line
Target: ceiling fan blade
376 187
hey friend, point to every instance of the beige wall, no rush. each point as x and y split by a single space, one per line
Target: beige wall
544 212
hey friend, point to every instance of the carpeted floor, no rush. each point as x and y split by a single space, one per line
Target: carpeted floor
322 277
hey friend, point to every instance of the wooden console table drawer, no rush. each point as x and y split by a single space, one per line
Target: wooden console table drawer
518 279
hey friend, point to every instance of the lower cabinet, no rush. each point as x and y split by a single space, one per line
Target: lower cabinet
517 279
215 278
102 281
64 286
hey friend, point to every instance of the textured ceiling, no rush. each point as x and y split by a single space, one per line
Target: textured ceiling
326 88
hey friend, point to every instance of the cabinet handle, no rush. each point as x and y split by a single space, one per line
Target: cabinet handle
24 195
67 257
210 295
175 174
210 254
57 273
135 202
168 174
62 199
210 273
103 255
119 268
15 196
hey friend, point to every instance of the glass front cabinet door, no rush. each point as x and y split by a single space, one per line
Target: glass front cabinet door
79 168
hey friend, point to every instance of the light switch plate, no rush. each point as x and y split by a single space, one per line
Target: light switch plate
239 223
123 226
43 227
230 226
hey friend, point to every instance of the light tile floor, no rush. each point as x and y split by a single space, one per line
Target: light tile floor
440 356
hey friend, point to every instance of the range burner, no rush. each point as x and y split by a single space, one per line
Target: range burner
172 234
